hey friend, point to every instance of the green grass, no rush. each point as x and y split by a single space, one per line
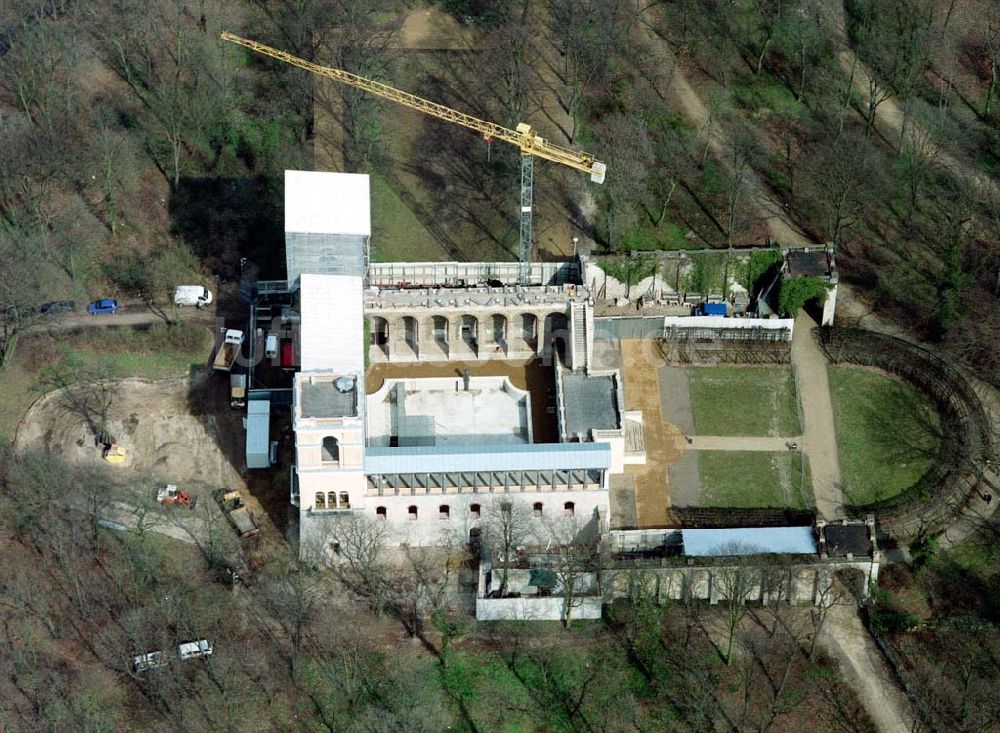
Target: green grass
153 353
668 235
397 234
751 479
888 434
755 401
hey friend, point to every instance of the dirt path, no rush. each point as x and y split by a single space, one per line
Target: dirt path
845 637
819 441
129 315
741 443
890 116
697 113
663 441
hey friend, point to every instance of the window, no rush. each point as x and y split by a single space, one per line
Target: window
475 511
331 450
444 512
331 500
569 509
345 500
320 502
380 513
537 509
412 513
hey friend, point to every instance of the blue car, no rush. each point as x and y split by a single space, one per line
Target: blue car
107 305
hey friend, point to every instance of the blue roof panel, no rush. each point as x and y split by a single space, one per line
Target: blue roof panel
487 457
748 541
258 433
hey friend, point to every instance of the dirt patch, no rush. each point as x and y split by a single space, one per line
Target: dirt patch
180 431
664 442
432 29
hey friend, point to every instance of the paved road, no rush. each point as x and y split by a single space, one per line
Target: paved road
732 442
819 441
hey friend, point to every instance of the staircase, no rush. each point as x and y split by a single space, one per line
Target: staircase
578 328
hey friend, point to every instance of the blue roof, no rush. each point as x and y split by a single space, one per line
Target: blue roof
487 457
748 541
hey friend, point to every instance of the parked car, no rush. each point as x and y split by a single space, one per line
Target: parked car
105 305
58 306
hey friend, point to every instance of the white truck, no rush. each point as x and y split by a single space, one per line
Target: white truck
194 295
229 349
194 649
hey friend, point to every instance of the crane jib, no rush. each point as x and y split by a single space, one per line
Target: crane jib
523 138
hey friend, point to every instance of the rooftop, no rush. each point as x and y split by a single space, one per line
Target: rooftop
332 324
323 397
440 411
590 403
484 458
803 263
844 539
749 541
320 202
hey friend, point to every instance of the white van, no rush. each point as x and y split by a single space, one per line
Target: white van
150 660
193 649
192 295
271 345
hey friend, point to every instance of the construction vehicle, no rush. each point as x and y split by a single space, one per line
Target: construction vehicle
110 450
237 390
233 507
170 495
530 144
148 661
229 349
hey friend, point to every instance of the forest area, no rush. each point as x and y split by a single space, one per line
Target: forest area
139 151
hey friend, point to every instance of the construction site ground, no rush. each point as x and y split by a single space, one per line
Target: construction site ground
178 431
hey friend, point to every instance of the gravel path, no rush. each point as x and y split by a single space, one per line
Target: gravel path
740 443
819 441
845 637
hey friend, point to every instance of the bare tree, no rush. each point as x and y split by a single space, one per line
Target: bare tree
508 524
358 544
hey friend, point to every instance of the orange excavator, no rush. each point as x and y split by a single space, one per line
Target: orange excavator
172 496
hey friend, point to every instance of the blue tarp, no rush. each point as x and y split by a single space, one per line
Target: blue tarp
749 541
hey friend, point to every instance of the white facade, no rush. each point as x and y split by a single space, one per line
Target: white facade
319 202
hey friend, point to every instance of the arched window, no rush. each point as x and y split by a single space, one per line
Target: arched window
380 513
331 450
411 513
345 500
569 509
444 512
537 509
475 511
320 502
331 500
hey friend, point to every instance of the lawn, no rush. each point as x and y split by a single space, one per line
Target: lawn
398 235
888 434
154 353
758 401
751 479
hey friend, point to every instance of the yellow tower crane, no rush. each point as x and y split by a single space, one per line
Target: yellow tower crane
530 144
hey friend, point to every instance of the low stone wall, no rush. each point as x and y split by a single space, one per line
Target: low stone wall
536 608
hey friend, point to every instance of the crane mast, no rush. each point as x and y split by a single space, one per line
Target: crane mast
530 145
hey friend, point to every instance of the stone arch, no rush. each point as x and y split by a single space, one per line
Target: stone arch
411 333
379 334
498 331
528 328
330 452
468 330
556 334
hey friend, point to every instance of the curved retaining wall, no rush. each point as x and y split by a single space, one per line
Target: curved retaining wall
938 497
